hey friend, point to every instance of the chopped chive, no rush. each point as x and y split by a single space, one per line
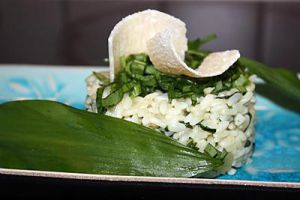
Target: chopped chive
167 129
248 143
211 150
148 80
188 125
218 86
141 57
137 68
99 94
192 144
165 84
206 128
194 64
222 155
187 88
127 68
240 81
101 77
152 71
194 99
127 87
114 87
250 119
137 90
113 99
123 78
123 61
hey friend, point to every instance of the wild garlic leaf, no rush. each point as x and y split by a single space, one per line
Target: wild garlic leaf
197 43
282 79
50 136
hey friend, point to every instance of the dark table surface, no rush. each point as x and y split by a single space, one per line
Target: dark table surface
26 186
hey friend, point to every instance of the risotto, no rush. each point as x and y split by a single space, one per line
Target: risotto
159 79
224 121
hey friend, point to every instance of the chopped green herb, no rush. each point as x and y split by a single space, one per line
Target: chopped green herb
226 96
138 67
113 99
250 119
139 77
136 90
214 153
141 57
188 125
218 86
166 129
248 143
152 71
211 150
123 78
194 99
99 100
222 155
101 77
123 61
187 88
148 80
206 128
192 144
127 87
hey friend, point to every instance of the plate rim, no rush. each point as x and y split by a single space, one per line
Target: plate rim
149 179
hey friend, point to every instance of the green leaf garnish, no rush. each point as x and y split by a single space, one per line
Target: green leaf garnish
192 57
197 43
282 79
50 136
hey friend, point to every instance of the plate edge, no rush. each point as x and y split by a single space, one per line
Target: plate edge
145 179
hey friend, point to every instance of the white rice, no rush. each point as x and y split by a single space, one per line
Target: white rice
230 113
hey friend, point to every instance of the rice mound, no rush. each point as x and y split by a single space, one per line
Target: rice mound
225 120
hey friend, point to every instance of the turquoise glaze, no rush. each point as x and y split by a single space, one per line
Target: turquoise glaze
277 147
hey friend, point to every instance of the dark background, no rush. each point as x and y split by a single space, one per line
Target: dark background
75 32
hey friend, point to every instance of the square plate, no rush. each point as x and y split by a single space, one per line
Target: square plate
275 162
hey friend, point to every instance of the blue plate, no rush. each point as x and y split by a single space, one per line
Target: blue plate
277 150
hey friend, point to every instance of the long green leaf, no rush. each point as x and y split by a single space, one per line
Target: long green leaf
45 135
197 43
284 80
